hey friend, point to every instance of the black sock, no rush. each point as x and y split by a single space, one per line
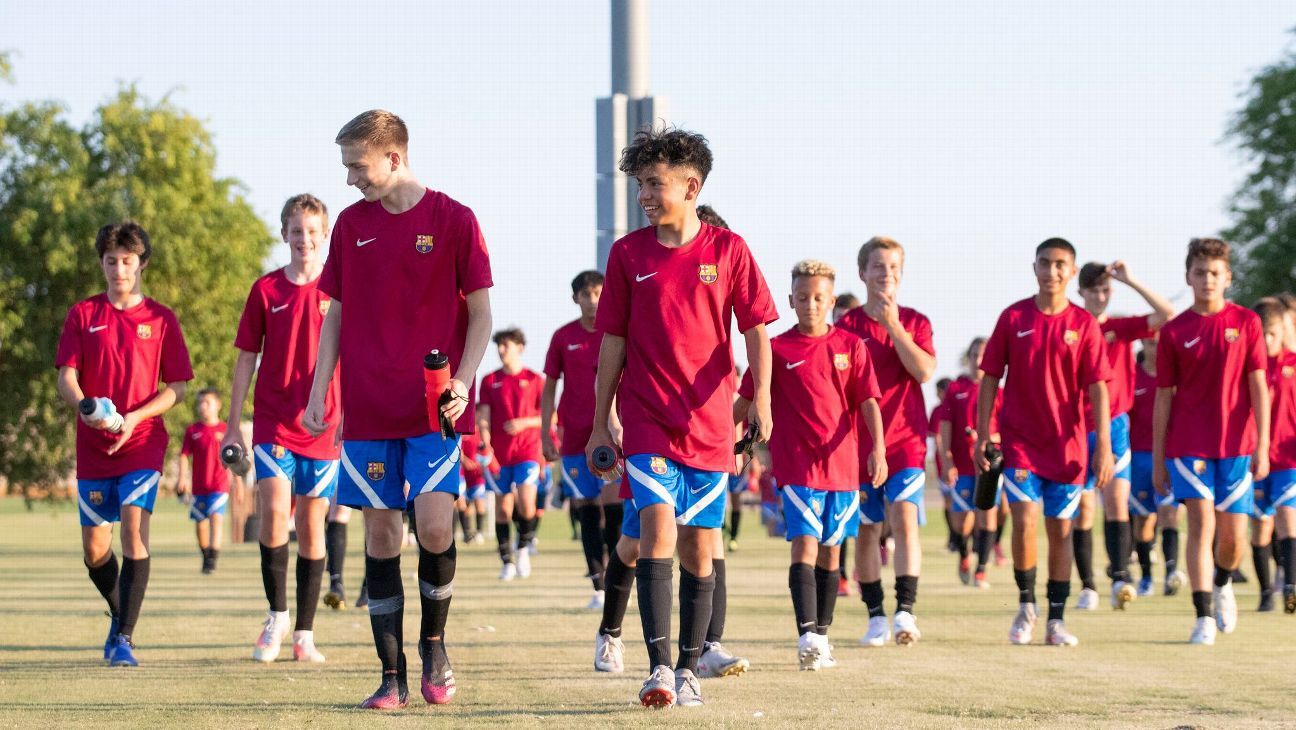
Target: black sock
1025 585
592 542
1223 576
960 543
719 603
1261 556
335 544
1057 591
825 598
695 617
1288 550
654 588
844 557
386 610
617 582
801 582
274 576
1170 548
481 522
527 531
1082 541
1202 604
612 516
465 525
735 521
212 554
104 578
1122 537
950 534
1144 550
309 574
981 545
871 595
576 528
131 585
906 590
502 536
436 572
999 530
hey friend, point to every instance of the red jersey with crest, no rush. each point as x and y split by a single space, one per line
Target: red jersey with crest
282 320
472 472
202 444
961 411
673 307
1282 418
903 412
403 280
1207 359
816 389
509 397
573 356
1119 335
938 414
122 355
1141 414
1051 360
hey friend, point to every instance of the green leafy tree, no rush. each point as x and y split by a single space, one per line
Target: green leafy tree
1264 207
148 161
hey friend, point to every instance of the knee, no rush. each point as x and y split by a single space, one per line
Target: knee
435 537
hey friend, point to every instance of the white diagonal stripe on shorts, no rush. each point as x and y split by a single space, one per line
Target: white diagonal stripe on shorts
323 480
217 503
910 487
1069 511
804 509
89 512
269 461
142 489
716 492
361 482
1291 492
1192 479
653 485
959 501
850 514
1240 489
447 463
1121 463
1138 508
1015 489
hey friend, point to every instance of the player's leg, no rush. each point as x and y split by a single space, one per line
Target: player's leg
99 509
701 508
1061 505
609 652
310 518
335 545
908 561
1142 510
436 570
216 522
526 514
1082 548
963 518
1262 531
804 539
133 581
1285 527
1168 518
1144 529
841 521
585 492
504 502
1022 489
658 489
274 502
868 563
1119 538
1234 501
987 521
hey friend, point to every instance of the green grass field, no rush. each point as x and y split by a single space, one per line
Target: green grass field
523 651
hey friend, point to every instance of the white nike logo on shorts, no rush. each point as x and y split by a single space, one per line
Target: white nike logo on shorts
645 277
367 240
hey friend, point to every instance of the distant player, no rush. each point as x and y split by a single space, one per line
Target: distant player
671 291
207 485
1211 429
936 447
899 341
278 338
1148 510
335 547
474 475
120 345
1275 496
1053 353
821 383
843 304
409 274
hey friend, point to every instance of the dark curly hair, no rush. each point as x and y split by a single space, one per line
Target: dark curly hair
1206 248
126 235
673 146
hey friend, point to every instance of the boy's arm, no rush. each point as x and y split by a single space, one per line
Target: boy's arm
740 407
918 362
1259 387
987 392
547 398
945 452
184 485
483 426
1162 309
759 364
244 367
326 360
611 362
877 465
479 328
1103 465
1161 426
170 394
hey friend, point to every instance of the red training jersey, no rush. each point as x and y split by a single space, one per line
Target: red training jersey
573 356
1207 359
1051 360
938 414
403 280
472 471
961 409
509 397
122 355
1141 414
673 307
1282 419
1119 335
202 444
282 320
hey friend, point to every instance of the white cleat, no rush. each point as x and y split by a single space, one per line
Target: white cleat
534 547
809 652
479 539
1225 609
879 632
1056 634
595 602
1023 626
523 559
609 654
1122 595
717 661
508 572
1203 631
1088 600
906 629
826 658
1174 582
304 648
273 632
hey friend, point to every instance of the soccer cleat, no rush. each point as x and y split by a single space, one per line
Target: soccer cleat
1289 598
304 648
336 596
809 652
1056 634
879 632
595 602
437 682
826 658
733 546
1088 600
1226 612
123 652
659 689
362 600
1173 582
388 696
688 690
906 629
1239 577
478 539
208 564
965 571
524 563
1203 631
999 559
1023 626
1266 602
1122 595
273 632
112 636
508 572
717 661
609 654
1145 587
843 586
980 580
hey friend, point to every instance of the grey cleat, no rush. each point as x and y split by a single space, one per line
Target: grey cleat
688 690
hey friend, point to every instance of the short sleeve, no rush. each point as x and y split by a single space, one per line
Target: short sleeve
752 303
613 315
994 358
175 354
1167 370
251 327
1093 355
1257 358
186 446
553 367
472 261
863 378
330 281
746 390
1129 329
69 344
538 393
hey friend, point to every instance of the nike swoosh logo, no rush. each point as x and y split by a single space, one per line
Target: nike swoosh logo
796 364
659 638
646 277
140 481
574 347
100 327
1140 391
961 396
1191 343
279 308
367 240
699 489
1023 334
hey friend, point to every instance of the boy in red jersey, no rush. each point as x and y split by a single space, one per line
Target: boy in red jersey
1052 351
474 476
1119 334
821 383
1275 496
899 341
670 293
411 266
1148 510
1211 429
119 345
508 418
936 447
280 326
207 486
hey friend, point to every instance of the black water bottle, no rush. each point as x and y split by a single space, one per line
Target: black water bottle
987 484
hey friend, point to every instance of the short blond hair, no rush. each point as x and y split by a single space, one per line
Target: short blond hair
878 243
376 128
306 204
813 267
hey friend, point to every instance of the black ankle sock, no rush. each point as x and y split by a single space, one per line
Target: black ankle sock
1144 551
735 521
465 525
999 530
481 522
436 572
386 610
502 536
654 577
1261 556
719 603
695 617
981 545
131 585
309 575
961 544
1223 576
527 531
1118 537
1025 585
871 595
1057 591
825 598
801 583
274 576
1170 548
335 545
1288 557
104 578
1082 542
612 516
617 582
844 557
589 516
906 590
1202 604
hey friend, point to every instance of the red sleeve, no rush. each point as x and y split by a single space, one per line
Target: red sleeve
69 344
864 380
330 281
1167 374
941 413
746 390
613 316
1093 355
553 366
994 358
472 259
1257 357
186 447
922 334
752 303
1129 329
175 354
539 395
251 326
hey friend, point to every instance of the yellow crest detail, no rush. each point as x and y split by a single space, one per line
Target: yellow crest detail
96 498
708 273
423 244
1288 371
376 471
1021 475
573 472
1231 334
277 451
841 360
324 306
1199 466
658 464
1070 337
144 331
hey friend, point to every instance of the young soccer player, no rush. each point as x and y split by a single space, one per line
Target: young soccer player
474 475
280 327
1052 351
1119 334
409 274
1148 510
119 345
899 341
1211 414
335 546
508 417
843 304
207 486
670 293
1276 495
821 379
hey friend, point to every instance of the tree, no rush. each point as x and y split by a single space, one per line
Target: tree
1264 208
151 162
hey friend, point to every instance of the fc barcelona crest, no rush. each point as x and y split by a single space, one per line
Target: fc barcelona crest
1231 334
1199 467
841 360
324 306
423 244
144 331
573 472
1021 475
376 471
96 498
1070 337
277 451
1288 371
708 273
657 464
